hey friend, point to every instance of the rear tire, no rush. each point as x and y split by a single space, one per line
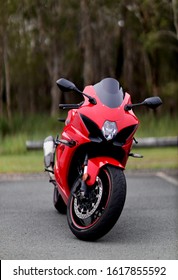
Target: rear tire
91 219
58 202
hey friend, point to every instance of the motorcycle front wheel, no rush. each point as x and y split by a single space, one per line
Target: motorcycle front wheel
91 217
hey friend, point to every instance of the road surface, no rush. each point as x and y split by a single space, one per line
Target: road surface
30 228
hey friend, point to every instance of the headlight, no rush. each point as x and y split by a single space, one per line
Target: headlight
109 130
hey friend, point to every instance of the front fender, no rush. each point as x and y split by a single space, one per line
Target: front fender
94 165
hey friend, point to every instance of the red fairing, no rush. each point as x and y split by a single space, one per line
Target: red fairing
86 165
101 112
76 130
95 164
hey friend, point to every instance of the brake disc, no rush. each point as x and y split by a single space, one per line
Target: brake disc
85 207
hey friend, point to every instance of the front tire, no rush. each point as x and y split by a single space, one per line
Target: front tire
90 219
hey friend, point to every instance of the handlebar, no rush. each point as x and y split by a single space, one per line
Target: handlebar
70 106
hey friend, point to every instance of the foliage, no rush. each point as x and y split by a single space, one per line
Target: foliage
42 40
14 135
154 158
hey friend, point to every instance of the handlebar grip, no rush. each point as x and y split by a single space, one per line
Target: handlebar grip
70 106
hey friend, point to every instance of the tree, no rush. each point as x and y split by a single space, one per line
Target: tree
42 40
1 74
148 38
5 12
98 40
54 22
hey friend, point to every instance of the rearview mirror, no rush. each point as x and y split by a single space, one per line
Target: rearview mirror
152 102
66 85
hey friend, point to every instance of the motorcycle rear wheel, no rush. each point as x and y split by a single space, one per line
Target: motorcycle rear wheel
91 219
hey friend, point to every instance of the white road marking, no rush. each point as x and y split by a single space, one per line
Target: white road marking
167 178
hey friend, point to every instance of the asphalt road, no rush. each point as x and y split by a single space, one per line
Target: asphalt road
30 228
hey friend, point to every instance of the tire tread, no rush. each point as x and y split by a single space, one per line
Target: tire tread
112 212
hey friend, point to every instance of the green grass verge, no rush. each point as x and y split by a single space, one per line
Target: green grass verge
14 158
13 135
157 126
32 162
154 158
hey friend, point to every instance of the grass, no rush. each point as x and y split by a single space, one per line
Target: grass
14 135
154 158
157 126
14 158
32 162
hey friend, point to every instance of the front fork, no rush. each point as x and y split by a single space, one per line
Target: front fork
91 169
85 176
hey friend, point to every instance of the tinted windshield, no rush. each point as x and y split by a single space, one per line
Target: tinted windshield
109 92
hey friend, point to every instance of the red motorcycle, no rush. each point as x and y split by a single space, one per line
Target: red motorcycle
86 164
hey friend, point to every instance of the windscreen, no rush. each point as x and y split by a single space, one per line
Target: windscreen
109 92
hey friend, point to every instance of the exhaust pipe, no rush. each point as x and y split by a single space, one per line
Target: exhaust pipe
49 150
